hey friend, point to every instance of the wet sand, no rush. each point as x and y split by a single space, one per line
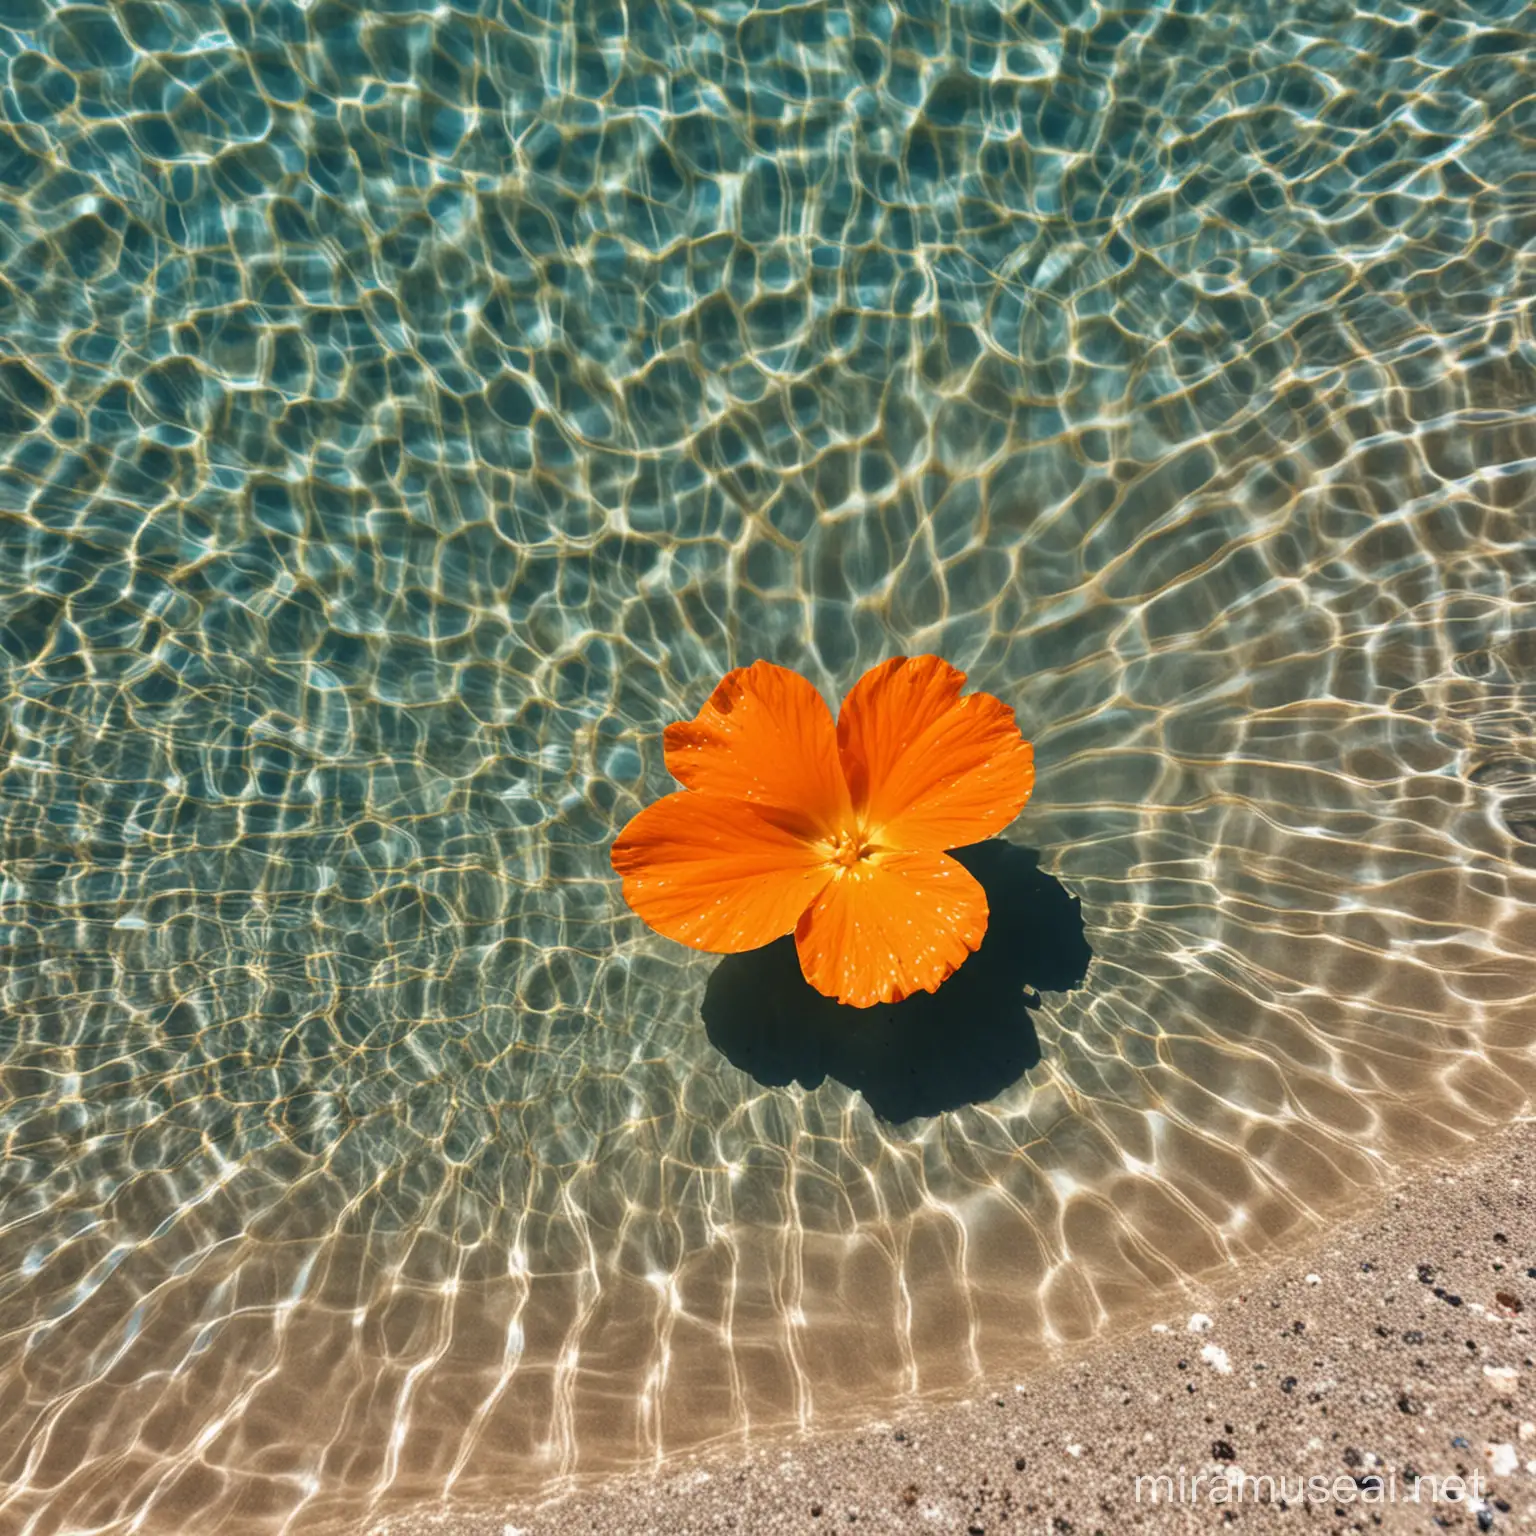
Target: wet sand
1394 1357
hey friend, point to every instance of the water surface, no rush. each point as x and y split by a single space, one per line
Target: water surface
404 413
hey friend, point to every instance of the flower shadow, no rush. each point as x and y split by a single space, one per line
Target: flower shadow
933 1051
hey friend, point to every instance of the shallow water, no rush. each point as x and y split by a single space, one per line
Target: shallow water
406 413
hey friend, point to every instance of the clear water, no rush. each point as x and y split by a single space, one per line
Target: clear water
406 413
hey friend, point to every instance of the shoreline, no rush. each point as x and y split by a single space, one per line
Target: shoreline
1394 1354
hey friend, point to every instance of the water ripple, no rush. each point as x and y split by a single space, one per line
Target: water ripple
404 413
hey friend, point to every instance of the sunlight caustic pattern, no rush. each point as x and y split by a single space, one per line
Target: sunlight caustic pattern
836 833
405 414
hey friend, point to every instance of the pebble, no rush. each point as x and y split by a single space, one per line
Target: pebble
1502 1378
1200 1323
1501 1459
1216 1357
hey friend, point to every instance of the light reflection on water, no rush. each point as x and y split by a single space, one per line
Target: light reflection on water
405 414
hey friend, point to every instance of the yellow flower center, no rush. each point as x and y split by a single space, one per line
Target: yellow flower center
849 848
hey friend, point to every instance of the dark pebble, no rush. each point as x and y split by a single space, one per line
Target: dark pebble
1408 1404
1222 1450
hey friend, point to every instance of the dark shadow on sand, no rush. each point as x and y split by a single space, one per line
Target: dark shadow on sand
934 1051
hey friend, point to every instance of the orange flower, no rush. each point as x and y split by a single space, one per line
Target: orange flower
835 833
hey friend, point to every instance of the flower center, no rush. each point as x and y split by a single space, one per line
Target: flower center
849 848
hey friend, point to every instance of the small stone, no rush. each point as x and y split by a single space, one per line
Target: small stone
1216 1357
1501 1459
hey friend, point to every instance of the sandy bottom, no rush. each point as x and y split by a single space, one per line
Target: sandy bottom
1395 1358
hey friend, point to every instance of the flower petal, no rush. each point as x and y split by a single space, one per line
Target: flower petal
713 874
765 736
927 768
893 924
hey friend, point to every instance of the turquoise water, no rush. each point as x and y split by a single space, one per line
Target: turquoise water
404 414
